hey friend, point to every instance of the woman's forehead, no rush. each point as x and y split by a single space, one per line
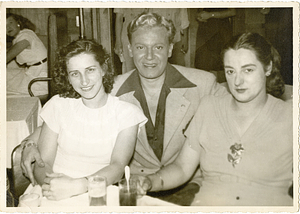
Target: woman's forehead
242 55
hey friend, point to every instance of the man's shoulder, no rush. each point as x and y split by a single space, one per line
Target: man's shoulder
123 77
119 80
194 75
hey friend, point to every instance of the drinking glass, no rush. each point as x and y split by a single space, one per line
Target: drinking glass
127 194
29 200
97 190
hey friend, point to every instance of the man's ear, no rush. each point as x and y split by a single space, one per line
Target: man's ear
130 50
170 50
269 69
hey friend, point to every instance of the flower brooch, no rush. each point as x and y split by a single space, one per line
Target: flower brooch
236 154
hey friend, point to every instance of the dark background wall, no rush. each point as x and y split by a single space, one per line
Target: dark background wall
276 26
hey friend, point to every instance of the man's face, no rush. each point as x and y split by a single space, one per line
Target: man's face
150 50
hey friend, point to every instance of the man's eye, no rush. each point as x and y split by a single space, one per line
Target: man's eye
139 47
159 47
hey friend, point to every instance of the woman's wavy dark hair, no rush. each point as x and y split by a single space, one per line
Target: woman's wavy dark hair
22 21
265 53
60 75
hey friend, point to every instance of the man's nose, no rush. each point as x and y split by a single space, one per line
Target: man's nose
149 55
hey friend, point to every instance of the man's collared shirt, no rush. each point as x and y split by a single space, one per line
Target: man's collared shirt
155 132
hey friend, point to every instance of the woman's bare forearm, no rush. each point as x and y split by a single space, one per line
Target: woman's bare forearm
35 135
40 173
178 172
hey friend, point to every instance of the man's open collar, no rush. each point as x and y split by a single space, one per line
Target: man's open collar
174 79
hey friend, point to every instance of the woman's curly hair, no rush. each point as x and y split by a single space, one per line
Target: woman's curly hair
265 53
60 75
22 21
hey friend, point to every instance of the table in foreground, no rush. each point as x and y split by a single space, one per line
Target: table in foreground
83 199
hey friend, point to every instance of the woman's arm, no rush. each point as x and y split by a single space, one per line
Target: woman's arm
118 29
47 145
204 15
185 40
16 49
121 155
177 173
59 186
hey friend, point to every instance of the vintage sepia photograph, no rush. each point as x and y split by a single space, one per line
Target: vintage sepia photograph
149 107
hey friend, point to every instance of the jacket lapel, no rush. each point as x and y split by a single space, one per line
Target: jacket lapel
177 106
142 136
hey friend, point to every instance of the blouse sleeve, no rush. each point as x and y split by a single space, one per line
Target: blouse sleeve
23 36
193 131
130 115
50 114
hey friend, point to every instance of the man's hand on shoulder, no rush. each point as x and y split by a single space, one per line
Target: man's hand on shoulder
30 155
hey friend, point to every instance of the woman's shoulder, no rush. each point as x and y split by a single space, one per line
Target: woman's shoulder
120 104
211 104
212 100
58 100
25 34
124 111
280 107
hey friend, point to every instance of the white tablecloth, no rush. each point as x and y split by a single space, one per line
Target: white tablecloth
83 201
21 120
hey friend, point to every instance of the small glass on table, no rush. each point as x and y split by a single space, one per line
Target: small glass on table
127 192
97 191
30 200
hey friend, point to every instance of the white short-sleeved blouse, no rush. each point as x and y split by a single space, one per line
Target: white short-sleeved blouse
87 136
37 51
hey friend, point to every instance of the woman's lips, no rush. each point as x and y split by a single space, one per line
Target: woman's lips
240 90
86 88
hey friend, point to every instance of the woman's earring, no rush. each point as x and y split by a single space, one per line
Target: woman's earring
18 25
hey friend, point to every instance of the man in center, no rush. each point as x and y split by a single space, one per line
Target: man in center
169 96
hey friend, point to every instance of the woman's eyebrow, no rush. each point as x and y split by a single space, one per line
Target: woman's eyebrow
247 65
70 71
91 66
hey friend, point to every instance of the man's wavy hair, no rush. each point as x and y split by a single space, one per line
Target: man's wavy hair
151 20
265 53
22 21
60 75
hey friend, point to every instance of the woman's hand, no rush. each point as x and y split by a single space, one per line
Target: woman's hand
143 184
203 16
118 48
58 186
265 11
